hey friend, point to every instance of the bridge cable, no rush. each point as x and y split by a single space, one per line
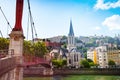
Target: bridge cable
1 34
5 18
32 22
28 26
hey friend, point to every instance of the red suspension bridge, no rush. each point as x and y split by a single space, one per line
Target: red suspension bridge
12 61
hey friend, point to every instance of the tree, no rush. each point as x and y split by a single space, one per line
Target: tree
33 49
39 49
89 60
64 62
4 43
59 63
111 63
91 63
85 63
27 48
65 45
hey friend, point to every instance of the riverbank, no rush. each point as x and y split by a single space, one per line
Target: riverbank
90 71
37 72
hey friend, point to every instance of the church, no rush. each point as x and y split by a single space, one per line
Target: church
73 56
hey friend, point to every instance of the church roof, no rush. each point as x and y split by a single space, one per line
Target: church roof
71 32
64 51
73 50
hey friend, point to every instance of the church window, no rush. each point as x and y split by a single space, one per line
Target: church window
69 61
74 57
77 57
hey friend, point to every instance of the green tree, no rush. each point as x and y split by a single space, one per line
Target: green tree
64 42
27 48
59 63
85 63
64 46
111 63
91 64
33 49
4 43
89 60
40 49
64 62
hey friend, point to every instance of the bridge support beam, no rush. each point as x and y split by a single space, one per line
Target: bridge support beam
16 44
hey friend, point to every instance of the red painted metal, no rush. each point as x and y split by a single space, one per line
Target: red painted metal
37 61
19 12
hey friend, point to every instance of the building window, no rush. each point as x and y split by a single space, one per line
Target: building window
104 59
100 50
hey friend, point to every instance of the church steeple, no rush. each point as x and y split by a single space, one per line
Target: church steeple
71 32
71 38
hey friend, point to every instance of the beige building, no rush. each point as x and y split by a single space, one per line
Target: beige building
102 59
114 54
90 53
99 56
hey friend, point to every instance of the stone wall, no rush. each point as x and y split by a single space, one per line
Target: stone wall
82 71
36 71
40 72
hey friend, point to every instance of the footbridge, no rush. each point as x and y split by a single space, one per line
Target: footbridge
8 64
11 60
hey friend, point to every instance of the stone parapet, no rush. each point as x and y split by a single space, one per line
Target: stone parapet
7 64
82 71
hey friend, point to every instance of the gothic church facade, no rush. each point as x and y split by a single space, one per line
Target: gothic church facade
73 56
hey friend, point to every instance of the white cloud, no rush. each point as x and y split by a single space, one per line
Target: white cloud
101 5
113 22
97 28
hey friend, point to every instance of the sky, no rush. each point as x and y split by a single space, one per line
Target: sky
52 17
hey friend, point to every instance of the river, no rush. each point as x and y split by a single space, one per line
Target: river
76 77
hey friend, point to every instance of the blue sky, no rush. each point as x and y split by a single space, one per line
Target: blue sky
52 17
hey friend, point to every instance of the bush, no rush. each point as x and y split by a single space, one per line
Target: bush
85 63
59 63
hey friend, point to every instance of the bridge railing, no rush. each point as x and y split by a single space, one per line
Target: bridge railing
7 64
4 53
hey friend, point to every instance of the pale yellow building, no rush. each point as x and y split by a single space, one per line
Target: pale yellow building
114 54
99 56
90 53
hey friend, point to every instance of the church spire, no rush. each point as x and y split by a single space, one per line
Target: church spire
71 32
